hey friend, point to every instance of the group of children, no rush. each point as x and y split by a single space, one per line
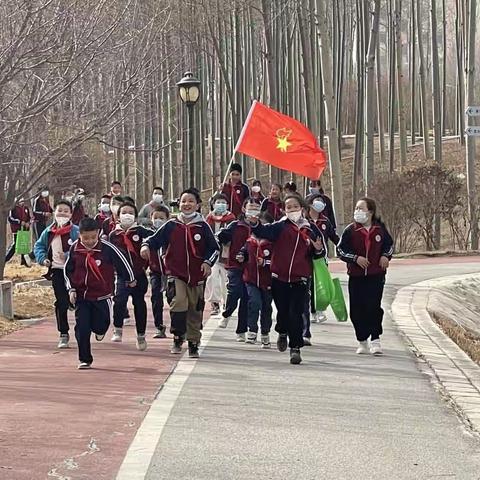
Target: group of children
248 251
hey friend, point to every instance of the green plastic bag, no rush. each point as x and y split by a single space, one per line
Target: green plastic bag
22 242
323 285
338 302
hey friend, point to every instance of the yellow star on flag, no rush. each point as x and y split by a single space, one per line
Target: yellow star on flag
283 144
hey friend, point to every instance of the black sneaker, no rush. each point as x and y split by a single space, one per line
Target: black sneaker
282 342
193 350
215 309
177 345
295 357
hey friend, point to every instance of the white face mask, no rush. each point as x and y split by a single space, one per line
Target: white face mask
158 222
157 198
360 216
45 193
189 215
294 216
318 206
127 220
104 207
252 212
115 209
256 189
61 220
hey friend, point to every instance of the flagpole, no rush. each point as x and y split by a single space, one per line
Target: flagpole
239 141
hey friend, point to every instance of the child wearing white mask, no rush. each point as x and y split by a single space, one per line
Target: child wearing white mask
144 216
104 211
257 194
158 280
216 286
51 250
367 248
128 237
110 223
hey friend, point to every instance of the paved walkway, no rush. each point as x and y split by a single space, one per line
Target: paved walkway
242 412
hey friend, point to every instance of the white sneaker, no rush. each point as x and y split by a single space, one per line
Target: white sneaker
117 335
223 323
240 337
84 366
266 341
27 260
321 317
126 321
63 341
251 337
363 348
141 343
375 347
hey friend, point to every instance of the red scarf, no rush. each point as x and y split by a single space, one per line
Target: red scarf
91 263
56 230
128 243
238 200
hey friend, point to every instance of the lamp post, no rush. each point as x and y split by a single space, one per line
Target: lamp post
189 92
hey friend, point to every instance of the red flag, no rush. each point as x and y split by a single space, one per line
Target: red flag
281 141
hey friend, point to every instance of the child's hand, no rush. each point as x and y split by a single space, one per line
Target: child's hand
384 262
73 297
47 263
206 270
132 284
240 258
145 253
363 262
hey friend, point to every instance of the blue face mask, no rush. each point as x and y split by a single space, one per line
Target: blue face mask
314 190
220 208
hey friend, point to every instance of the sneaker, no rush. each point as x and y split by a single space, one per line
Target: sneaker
251 337
282 342
193 350
307 342
241 337
117 335
295 357
363 348
177 345
84 366
63 341
160 333
266 341
99 338
27 260
126 321
375 347
320 317
141 343
215 309
223 323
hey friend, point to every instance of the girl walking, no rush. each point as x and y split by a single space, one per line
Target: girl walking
367 248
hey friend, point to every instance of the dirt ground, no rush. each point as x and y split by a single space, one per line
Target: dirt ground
17 273
33 302
8 326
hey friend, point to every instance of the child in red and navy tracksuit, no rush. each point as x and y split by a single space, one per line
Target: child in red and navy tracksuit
19 219
104 212
158 280
367 248
89 277
42 212
235 190
110 223
257 254
189 250
234 237
273 203
128 236
295 242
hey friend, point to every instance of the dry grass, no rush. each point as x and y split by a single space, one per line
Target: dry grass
8 326
468 341
33 302
16 273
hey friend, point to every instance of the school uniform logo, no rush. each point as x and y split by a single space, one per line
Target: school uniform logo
98 262
135 238
324 227
197 237
378 238
266 253
70 241
238 192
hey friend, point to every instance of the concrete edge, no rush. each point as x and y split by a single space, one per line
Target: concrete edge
457 374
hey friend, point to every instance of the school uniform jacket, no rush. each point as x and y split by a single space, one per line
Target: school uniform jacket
91 273
275 209
328 212
16 216
356 241
108 225
258 255
185 247
41 207
327 229
100 217
78 213
235 234
236 195
130 242
292 248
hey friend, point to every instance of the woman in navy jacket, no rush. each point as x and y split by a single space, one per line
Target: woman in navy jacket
367 248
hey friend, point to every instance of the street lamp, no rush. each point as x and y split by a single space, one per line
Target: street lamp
189 92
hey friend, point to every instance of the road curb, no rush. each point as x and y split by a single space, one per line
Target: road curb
458 375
